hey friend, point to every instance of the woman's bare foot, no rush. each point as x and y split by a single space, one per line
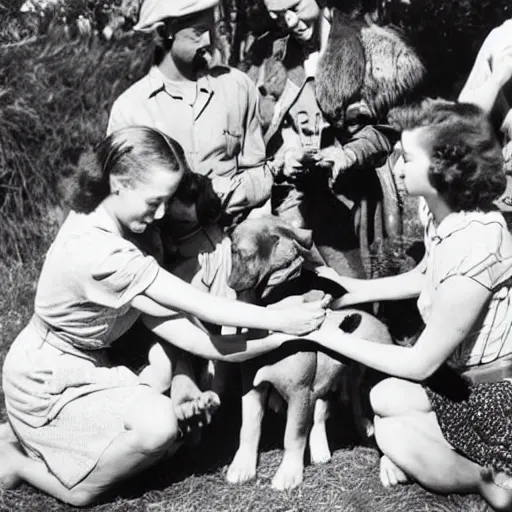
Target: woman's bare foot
390 473
7 433
496 489
11 457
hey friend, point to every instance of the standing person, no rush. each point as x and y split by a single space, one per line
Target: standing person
443 417
311 66
211 112
84 425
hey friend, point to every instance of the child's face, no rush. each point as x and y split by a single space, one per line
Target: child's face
139 204
413 166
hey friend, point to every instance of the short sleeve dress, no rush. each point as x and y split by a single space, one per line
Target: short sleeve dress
64 398
476 245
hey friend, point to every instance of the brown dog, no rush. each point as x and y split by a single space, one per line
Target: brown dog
259 257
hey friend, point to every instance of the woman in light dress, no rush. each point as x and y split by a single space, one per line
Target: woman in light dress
82 423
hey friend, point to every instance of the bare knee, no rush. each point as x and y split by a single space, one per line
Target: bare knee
398 397
154 425
382 396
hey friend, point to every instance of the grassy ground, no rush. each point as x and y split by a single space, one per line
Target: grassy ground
194 479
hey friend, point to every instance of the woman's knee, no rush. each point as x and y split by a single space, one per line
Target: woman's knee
154 425
391 433
396 397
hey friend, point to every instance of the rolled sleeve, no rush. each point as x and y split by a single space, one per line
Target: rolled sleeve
118 276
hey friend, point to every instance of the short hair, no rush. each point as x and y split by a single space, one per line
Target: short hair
467 167
128 153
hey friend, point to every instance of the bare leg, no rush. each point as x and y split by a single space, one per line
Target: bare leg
171 368
151 429
9 445
416 445
397 397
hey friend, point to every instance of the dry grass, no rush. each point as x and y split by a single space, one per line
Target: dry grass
194 479
55 97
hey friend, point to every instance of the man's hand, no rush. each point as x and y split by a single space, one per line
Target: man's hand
295 160
337 159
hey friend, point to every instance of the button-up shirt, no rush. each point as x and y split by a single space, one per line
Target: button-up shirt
476 245
219 132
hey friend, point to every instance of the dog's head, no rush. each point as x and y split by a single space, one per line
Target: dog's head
265 251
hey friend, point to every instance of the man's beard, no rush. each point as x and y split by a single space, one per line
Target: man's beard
202 61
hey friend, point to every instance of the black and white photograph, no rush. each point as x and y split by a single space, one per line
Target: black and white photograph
256 255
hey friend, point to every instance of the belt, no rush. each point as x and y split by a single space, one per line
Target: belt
48 335
495 371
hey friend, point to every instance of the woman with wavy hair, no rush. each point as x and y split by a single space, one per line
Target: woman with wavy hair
443 417
83 423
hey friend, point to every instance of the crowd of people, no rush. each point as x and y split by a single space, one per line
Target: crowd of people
329 113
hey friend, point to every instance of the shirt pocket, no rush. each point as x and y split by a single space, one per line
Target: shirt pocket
233 138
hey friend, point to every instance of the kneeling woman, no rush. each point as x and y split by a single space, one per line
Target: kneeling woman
84 424
448 426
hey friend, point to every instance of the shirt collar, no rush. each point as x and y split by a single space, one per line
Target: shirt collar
158 83
457 221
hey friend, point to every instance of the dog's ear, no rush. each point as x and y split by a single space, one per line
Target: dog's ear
303 237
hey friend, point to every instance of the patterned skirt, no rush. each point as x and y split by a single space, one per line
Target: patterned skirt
477 421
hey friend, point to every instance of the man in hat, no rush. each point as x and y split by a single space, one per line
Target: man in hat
210 110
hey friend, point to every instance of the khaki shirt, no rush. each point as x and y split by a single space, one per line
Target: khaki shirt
220 132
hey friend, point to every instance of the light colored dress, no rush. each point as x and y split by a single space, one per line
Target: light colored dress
63 397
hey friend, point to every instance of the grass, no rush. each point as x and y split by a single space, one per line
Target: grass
55 96
194 480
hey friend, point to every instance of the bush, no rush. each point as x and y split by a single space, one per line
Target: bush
55 98
447 34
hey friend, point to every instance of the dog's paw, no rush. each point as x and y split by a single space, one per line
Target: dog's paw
243 467
289 475
197 411
318 445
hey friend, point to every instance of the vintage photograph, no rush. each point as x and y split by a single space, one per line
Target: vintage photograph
256 255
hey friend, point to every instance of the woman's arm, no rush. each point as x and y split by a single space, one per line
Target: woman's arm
234 348
171 292
496 67
149 307
402 286
457 306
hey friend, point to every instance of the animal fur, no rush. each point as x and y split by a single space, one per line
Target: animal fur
364 61
341 70
264 253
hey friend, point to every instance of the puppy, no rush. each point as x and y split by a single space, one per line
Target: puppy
260 262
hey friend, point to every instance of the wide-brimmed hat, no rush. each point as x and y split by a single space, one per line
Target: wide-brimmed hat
279 5
154 12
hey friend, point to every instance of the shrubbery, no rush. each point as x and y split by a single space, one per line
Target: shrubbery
55 99
57 88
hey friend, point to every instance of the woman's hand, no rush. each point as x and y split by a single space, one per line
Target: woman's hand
305 317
